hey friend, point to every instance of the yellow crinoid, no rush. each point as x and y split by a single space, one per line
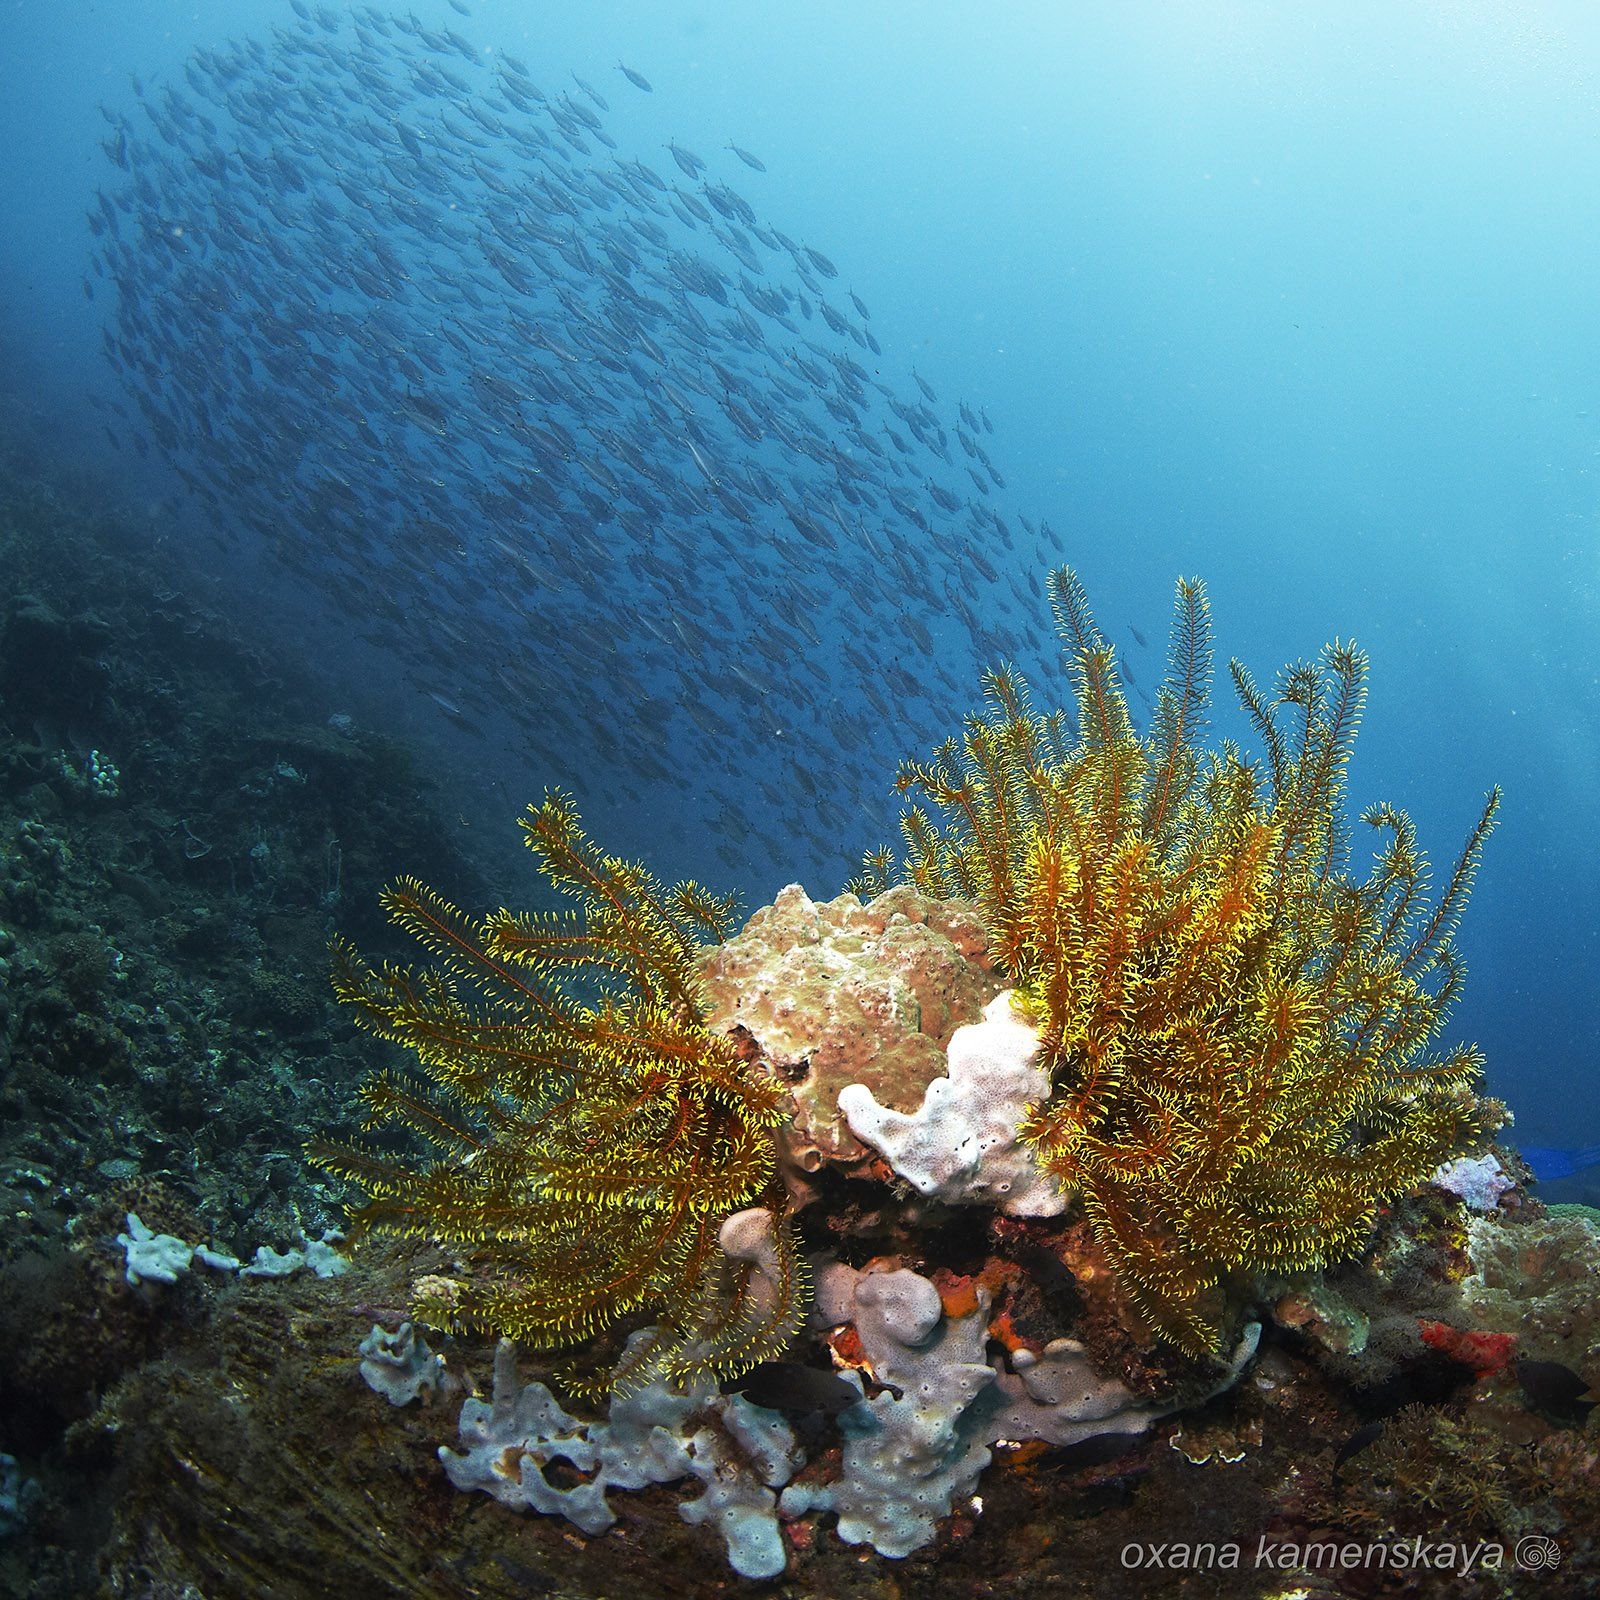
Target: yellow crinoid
589 1133
1237 1027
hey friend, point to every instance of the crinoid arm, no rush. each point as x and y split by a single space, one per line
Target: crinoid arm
1238 1027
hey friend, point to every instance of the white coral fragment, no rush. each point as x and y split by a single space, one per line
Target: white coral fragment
913 1451
961 1144
162 1257
1478 1181
510 1441
399 1365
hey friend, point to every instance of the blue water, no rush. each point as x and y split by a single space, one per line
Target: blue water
1300 304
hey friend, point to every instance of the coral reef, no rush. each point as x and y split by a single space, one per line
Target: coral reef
933 1406
1213 1069
163 997
1534 1276
924 1102
988 1363
1435 1468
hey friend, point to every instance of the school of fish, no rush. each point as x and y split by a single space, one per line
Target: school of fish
611 467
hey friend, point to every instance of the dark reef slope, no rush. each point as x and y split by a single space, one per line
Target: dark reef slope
178 818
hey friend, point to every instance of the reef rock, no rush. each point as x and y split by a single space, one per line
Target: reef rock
1535 1277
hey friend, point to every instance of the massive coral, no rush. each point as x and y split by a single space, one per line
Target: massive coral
1236 1027
838 992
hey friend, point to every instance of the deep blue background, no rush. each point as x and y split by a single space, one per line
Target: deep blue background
1301 304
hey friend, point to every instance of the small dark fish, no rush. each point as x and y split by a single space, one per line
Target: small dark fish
688 162
592 92
755 163
1550 1386
528 1579
820 262
1139 636
1094 1451
789 1386
460 9
1368 1433
637 79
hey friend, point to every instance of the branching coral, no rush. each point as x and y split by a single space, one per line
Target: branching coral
1236 1028
591 1134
